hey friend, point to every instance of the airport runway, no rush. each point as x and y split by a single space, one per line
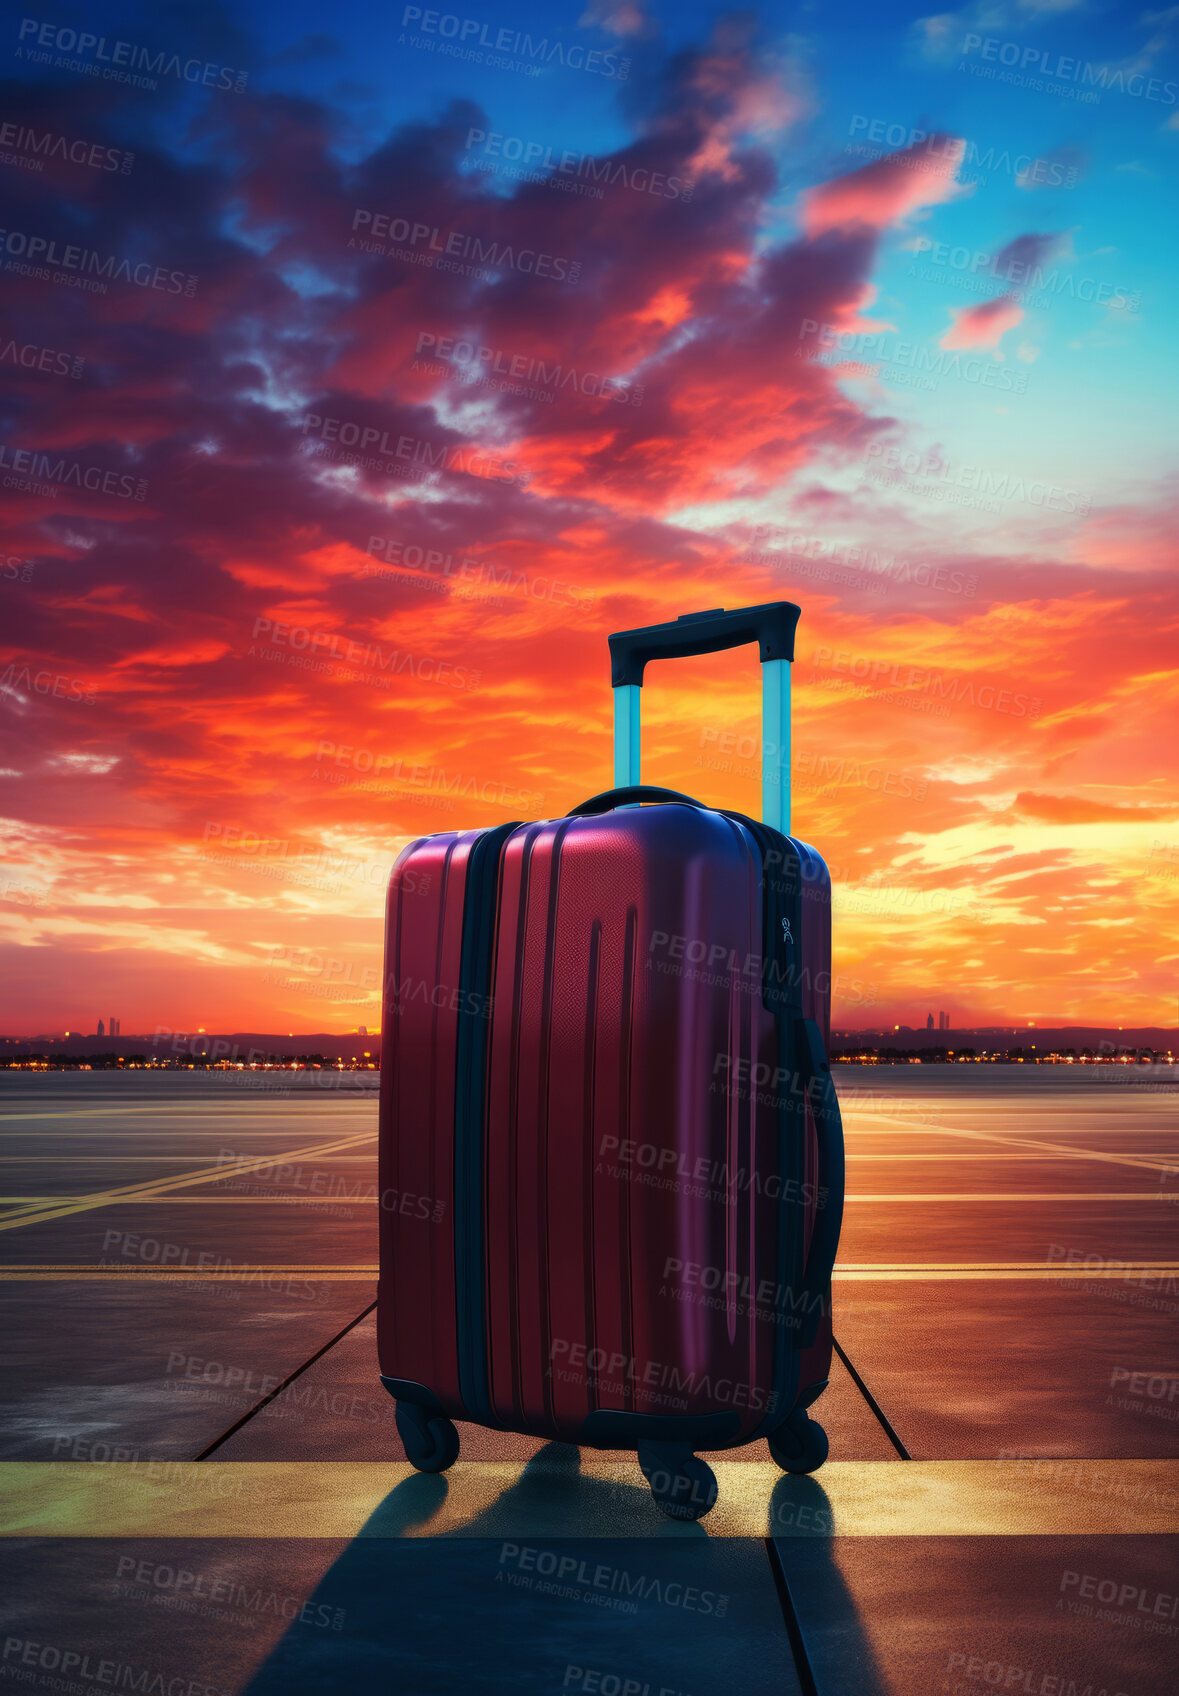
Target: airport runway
203 1490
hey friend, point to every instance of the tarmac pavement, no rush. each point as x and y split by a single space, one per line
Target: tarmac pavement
203 1489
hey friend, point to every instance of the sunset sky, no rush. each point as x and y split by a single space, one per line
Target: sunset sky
320 505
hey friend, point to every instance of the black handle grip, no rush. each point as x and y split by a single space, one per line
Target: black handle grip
819 1089
771 626
611 798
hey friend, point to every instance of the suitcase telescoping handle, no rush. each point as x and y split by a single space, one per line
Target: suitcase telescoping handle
772 627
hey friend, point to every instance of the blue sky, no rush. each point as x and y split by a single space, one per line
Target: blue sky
971 492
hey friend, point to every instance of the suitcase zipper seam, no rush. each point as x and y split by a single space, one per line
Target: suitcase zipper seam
472 1049
792 1147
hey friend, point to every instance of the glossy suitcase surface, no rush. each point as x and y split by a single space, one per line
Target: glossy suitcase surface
611 1170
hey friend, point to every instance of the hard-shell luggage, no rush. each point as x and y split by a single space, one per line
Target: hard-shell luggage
611 1157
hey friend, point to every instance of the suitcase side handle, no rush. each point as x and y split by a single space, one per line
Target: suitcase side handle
819 1089
772 627
630 796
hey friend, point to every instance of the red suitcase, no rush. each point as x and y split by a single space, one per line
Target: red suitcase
611 1158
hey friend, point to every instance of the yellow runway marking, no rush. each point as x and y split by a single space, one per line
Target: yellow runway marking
924 1123
227 1272
163 1131
257 1195
105 1112
137 1192
160 1275
229 1268
279 1198
953 1103
171 1159
166 1110
928 1128
951 1112
847 1272
285 1198
936 1271
909 1158
1158 1195
606 1498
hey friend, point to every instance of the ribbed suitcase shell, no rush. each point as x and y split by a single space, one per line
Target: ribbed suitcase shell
607 1238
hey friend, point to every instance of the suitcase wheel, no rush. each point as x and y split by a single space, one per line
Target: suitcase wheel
682 1484
431 1443
800 1444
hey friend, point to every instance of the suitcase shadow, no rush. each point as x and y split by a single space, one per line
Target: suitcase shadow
559 1568
827 1613
552 1497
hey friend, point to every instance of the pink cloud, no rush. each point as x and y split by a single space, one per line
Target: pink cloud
618 17
984 325
163 729
741 96
880 193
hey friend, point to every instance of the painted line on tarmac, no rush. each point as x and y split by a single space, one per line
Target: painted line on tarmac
1008 1138
164 1110
925 1122
926 1127
287 1199
943 1271
179 1159
846 1272
906 1158
228 1273
1155 1195
150 1191
163 1132
867 1107
332 1276
283 1198
510 1500
161 1108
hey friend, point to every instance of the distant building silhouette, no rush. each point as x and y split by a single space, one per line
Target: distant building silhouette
929 1023
101 1031
115 1026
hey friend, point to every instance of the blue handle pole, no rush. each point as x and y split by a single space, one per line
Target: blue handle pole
775 745
775 732
626 735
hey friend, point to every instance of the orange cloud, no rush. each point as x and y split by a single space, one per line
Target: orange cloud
1075 809
228 706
